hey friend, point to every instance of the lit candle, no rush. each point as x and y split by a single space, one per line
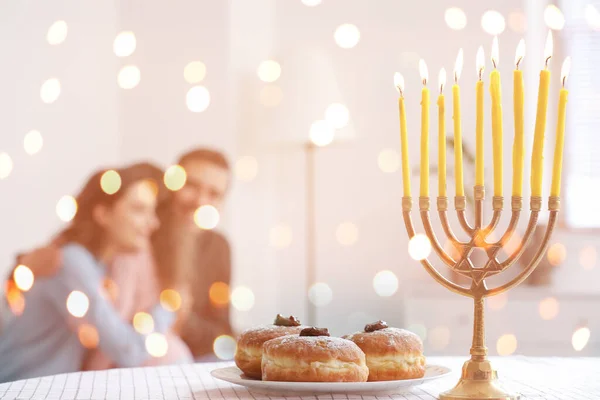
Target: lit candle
399 83
442 135
560 130
458 155
496 94
424 131
537 157
519 143
479 167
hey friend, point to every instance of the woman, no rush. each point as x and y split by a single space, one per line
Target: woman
44 339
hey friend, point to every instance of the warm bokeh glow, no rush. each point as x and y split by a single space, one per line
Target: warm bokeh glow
110 289
170 300
88 336
346 233
197 99
493 22
557 253
224 347
78 304
580 338
207 217
15 300
110 181
347 36
6 165
439 337
124 44
269 71
271 96
129 77
455 18
588 257
549 308
57 33
385 283
219 294
194 72
320 294
175 177
33 142
143 323
497 302
388 160
66 208
554 18
419 247
23 277
157 345
280 236
337 115
50 90
246 169
321 133
506 344
242 298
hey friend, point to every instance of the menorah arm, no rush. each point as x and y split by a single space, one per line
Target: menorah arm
441 279
497 204
536 206
426 218
460 204
442 206
517 204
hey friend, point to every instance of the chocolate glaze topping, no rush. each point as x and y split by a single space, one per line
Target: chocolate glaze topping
376 326
312 331
280 320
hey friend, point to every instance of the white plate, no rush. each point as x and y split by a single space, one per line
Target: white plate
235 375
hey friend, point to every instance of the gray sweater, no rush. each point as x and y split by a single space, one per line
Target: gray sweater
44 341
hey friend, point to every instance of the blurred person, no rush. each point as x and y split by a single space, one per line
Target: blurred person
71 306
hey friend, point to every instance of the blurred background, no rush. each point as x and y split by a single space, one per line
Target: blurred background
314 212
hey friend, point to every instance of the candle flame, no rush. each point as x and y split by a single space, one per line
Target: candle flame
442 79
495 52
564 73
399 83
458 65
520 54
548 49
423 71
480 61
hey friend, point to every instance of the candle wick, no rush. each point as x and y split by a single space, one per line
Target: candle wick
455 78
424 81
564 80
480 73
441 88
547 61
519 62
494 62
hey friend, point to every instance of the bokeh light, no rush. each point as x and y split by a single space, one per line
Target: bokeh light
347 36
88 336
246 169
194 72
549 308
439 337
143 323
588 257
346 233
321 133
271 96
224 347
218 293
242 298
455 18
337 115
124 44
78 303
33 142
206 217
320 294
157 345
497 302
419 329
493 22
23 277
385 283
580 338
197 99
110 289
175 177
280 236
50 90
15 300
57 33
170 300
6 165
419 247
554 18
311 3
506 344
269 71
557 253
66 208
110 181
388 160
129 77
592 16
517 21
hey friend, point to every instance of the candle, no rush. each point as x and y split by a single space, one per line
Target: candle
458 155
442 135
496 95
519 143
537 157
424 131
560 130
479 168
399 83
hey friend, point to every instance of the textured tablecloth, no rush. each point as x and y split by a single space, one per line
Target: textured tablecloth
534 378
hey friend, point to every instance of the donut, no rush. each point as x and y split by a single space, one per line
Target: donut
248 354
313 356
391 353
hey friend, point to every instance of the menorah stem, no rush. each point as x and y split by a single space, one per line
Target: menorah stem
478 348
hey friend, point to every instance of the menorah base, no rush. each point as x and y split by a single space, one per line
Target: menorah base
478 381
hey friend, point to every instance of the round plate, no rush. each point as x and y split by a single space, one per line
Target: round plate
235 375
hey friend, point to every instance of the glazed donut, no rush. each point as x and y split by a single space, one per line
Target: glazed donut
249 350
391 353
313 356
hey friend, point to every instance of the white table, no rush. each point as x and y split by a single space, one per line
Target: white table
534 378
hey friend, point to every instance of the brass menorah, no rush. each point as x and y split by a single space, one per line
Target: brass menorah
479 380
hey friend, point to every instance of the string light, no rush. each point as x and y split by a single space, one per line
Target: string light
385 283
78 304
347 36
320 294
242 298
6 165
